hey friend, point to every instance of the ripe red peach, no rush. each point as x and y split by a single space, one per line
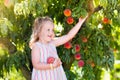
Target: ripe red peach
50 60
77 56
70 20
106 20
67 45
77 48
81 63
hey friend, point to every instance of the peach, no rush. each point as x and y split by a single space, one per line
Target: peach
67 12
115 51
77 47
106 20
67 45
92 64
70 20
77 56
84 39
50 60
81 63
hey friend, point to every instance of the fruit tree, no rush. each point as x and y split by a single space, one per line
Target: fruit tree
94 48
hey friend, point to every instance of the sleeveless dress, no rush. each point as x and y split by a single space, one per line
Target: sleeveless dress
54 74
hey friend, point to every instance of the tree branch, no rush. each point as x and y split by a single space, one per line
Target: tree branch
98 8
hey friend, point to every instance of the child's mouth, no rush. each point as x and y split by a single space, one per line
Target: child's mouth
49 36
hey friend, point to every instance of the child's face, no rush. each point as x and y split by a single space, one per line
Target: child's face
47 32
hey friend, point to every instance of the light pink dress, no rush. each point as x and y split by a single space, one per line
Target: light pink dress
55 74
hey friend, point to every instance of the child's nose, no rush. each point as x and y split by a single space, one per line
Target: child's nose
51 32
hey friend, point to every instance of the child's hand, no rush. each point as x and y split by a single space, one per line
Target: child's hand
81 19
57 63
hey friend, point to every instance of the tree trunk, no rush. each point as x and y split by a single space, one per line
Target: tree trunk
26 72
7 44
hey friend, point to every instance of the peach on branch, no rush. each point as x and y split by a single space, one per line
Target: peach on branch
115 51
92 64
106 20
84 39
77 48
70 20
77 56
67 12
81 63
50 60
67 45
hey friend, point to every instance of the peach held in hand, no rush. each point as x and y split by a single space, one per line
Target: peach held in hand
50 60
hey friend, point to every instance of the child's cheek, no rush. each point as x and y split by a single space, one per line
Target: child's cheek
53 35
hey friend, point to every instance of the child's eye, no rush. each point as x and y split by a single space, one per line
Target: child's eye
48 29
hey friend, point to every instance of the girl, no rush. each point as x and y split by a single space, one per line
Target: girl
44 45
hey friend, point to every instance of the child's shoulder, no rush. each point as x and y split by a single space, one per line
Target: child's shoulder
52 44
36 44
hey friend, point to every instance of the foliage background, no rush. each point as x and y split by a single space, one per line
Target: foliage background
102 47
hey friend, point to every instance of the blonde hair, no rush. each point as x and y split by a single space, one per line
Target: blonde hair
37 26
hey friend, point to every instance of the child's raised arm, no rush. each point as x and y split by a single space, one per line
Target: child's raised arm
63 39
